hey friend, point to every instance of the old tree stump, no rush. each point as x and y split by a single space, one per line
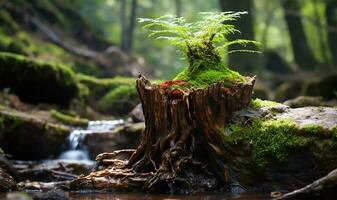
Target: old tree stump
182 148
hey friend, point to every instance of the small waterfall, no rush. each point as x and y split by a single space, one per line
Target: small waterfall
76 149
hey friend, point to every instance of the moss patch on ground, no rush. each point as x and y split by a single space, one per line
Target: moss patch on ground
35 81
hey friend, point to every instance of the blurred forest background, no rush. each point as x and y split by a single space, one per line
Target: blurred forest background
100 41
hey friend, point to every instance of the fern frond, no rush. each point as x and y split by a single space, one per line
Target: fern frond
244 51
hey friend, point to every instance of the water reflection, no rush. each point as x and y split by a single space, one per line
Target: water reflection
166 197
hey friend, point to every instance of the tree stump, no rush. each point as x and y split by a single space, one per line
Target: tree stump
182 147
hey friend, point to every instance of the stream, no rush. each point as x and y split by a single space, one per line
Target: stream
76 150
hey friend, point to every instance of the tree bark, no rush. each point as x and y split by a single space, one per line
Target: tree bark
182 140
242 61
302 52
331 18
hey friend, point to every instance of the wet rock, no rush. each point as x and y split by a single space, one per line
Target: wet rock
18 196
51 195
7 183
44 186
8 167
326 87
52 171
26 137
137 114
122 137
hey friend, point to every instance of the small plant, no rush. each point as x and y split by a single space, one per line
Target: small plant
202 43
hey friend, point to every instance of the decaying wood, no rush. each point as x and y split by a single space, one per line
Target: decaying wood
324 188
182 140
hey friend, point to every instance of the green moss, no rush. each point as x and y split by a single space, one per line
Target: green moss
258 103
7 22
68 120
334 131
206 67
314 129
119 100
271 140
202 79
37 81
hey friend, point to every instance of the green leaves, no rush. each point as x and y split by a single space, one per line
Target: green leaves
212 29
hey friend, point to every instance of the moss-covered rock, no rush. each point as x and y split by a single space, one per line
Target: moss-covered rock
282 147
325 87
36 82
117 95
68 119
120 100
303 101
27 137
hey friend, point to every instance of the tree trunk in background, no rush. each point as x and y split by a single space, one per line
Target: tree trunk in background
123 24
322 43
242 61
131 25
302 52
331 17
127 29
178 8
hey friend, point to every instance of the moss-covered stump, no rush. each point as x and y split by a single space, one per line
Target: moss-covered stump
36 82
182 148
27 137
273 147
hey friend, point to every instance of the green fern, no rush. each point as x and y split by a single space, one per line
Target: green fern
202 43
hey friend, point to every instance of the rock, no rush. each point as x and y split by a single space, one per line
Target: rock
303 101
7 183
52 170
287 90
282 148
8 167
137 114
51 195
126 136
325 87
44 186
26 137
18 196
35 81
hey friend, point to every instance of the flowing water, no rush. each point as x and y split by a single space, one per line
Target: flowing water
76 150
